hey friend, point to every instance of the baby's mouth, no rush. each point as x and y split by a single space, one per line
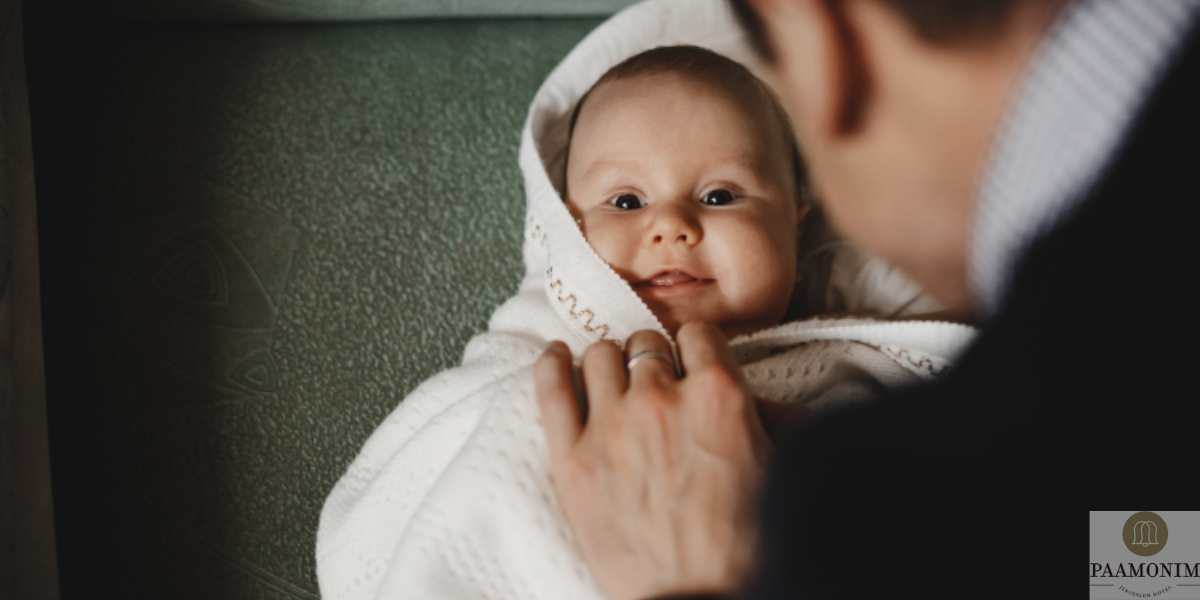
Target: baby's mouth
669 285
668 278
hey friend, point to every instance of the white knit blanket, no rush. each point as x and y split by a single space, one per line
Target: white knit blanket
451 496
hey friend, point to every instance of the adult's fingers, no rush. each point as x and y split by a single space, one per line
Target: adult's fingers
556 399
711 370
702 346
654 368
603 376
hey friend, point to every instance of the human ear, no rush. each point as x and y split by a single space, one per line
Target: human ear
817 63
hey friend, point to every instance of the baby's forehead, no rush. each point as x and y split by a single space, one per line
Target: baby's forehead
746 111
748 95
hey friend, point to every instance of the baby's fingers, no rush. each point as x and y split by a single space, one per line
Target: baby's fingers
556 400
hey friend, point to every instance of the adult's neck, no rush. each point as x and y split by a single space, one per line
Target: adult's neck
949 98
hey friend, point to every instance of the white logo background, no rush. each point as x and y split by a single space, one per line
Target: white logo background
1105 545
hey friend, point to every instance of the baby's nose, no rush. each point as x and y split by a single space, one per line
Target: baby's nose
674 225
679 237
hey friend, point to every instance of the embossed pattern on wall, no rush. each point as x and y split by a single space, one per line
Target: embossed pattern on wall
295 227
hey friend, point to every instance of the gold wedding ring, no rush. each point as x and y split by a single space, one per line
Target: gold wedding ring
645 354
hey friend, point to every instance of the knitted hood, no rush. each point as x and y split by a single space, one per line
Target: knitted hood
594 301
592 298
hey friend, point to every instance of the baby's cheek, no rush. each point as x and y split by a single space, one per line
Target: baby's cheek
609 243
767 269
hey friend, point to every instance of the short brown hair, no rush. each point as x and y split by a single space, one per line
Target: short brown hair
701 63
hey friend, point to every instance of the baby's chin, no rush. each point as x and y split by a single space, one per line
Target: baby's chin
674 313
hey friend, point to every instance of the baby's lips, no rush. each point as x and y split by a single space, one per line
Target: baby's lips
669 278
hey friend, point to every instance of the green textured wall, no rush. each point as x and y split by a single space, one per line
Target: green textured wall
355 10
256 241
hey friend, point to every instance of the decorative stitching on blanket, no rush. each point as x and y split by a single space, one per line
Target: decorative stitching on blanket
916 361
585 315
537 234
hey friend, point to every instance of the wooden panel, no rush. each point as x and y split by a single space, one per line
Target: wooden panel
28 569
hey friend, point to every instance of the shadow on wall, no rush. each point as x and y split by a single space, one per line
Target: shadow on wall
158 309
256 240
188 280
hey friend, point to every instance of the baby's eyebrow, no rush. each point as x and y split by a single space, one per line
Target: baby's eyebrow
607 167
750 165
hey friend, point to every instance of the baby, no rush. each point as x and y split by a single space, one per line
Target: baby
683 176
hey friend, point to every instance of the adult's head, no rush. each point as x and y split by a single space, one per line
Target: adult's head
895 104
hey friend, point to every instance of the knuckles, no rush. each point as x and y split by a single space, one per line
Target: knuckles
714 380
552 370
599 351
723 390
548 364
654 402
579 473
649 339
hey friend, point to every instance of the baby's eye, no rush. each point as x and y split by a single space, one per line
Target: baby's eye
717 198
628 202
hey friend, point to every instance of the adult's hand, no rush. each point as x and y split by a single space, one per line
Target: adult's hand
660 485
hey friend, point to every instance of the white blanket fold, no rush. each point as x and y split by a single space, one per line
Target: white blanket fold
451 496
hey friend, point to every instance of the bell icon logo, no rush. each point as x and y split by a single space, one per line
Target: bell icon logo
1145 533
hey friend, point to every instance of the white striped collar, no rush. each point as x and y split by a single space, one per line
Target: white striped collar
1082 89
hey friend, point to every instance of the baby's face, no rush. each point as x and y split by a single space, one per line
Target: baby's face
687 190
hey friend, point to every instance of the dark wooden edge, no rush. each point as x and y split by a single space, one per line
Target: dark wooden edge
28 566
